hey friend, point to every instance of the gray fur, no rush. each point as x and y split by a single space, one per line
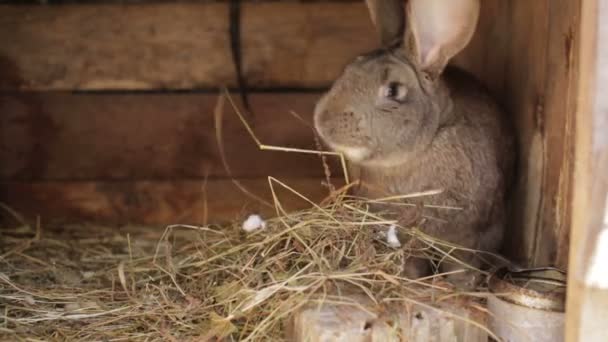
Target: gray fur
447 134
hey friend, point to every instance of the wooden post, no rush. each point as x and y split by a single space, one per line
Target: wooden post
587 307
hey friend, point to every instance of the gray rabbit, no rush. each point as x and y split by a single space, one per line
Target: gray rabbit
407 123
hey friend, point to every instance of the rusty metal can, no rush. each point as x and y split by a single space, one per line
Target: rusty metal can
527 305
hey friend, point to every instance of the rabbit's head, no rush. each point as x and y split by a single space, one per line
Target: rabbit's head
389 104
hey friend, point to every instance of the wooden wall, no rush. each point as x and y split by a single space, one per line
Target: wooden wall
136 150
541 93
587 307
136 142
178 45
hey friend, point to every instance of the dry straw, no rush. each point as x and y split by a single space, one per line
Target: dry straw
210 282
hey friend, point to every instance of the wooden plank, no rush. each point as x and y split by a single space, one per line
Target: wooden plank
178 45
186 45
559 132
527 57
587 306
61 136
542 71
357 320
152 202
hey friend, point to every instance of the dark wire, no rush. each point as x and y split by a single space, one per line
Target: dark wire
237 57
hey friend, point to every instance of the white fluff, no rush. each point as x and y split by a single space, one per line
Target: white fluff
253 223
356 153
391 237
352 153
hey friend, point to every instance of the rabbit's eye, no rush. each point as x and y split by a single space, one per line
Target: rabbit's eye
394 91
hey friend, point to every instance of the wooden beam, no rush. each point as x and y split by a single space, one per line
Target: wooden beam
62 136
186 45
587 307
153 202
177 45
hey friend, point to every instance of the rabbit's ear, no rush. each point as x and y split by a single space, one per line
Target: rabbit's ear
440 29
388 16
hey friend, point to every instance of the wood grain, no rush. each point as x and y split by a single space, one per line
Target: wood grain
152 202
62 136
178 45
587 306
540 93
186 45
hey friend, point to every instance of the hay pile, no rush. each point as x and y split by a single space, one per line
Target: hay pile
200 283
